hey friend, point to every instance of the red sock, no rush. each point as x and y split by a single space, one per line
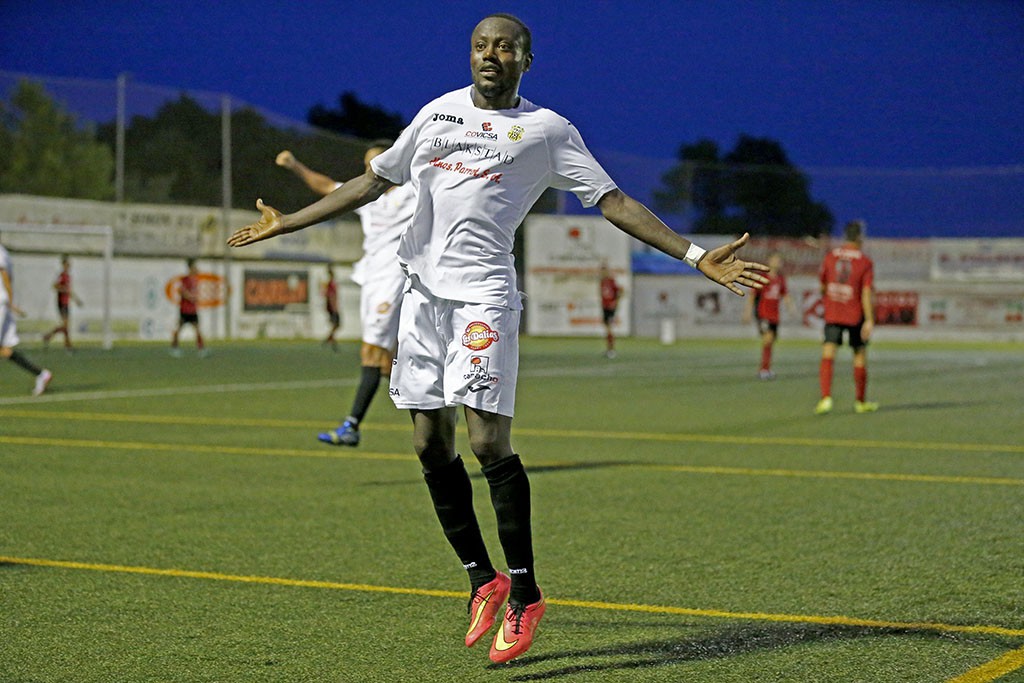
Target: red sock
825 376
860 381
766 357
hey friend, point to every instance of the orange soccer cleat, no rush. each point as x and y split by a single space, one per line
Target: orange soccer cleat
517 630
484 605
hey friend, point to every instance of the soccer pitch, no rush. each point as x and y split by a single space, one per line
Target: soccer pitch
176 520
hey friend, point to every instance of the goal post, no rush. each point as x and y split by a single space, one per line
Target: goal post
95 241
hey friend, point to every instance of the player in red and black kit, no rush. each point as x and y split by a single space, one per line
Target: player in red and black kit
764 308
65 294
330 292
188 309
847 289
610 295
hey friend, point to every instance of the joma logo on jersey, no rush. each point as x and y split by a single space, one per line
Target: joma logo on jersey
447 117
478 336
486 125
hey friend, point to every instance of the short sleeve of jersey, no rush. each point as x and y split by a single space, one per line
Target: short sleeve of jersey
394 163
573 168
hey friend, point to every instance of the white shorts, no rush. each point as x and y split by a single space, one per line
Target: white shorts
379 304
8 330
455 353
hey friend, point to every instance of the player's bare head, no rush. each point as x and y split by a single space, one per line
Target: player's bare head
500 53
65 259
378 146
775 261
190 263
854 231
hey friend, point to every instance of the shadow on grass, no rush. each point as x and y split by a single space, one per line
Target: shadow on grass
730 642
934 405
530 469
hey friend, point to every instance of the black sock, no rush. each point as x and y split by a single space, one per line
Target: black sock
19 359
510 495
452 493
368 383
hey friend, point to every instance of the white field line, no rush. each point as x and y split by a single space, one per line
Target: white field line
175 391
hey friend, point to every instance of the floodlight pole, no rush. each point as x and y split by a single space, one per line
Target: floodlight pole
226 205
122 86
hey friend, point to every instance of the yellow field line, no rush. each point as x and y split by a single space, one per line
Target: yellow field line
584 604
945 446
824 474
371 455
997 668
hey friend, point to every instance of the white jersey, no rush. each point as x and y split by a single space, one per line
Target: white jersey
383 220
5 264
475 173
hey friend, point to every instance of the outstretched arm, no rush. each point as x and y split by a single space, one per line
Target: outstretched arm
318 182
720 265
350 196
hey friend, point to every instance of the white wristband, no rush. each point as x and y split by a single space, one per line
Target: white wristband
693 255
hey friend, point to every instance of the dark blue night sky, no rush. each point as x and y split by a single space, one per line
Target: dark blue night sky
852 90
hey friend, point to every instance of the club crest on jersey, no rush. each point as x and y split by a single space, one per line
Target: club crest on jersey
515 133
478 336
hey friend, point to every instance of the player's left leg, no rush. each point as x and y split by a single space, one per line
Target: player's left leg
490 440
9 341
860 380
374 361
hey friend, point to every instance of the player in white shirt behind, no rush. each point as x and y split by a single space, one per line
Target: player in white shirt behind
9 331
381 280
478 158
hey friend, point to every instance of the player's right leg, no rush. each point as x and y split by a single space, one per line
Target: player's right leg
452 495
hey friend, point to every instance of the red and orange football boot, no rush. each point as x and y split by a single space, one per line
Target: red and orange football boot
484 605
515 635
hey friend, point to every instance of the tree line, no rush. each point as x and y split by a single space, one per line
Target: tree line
175 156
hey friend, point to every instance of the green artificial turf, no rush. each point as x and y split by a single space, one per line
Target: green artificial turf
176 520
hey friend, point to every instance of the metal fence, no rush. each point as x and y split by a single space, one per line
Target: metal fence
173 146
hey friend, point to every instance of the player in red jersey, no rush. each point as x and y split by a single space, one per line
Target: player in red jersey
65 295
847 289
330 292
764 307
610 295
188 309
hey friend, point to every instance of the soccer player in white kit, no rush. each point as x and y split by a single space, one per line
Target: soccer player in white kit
9 339
381 279
478 158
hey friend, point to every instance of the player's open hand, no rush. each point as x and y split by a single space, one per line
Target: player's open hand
722 266
269 225
285 159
